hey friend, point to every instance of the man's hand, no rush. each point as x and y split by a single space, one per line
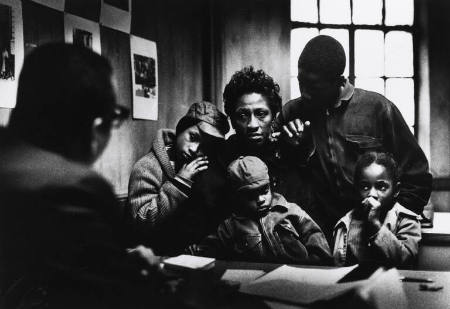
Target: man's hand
373 210
189 170
294 131
145 258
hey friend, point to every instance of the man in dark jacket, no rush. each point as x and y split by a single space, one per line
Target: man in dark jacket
333 123
60 235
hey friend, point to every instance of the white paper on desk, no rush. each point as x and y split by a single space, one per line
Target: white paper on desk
300 285
189 261
242 275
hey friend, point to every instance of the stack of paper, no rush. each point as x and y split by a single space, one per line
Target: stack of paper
185 261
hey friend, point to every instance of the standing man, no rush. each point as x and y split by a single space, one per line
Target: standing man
333 123
60 234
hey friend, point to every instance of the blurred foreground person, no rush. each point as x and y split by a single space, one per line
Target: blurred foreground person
60 232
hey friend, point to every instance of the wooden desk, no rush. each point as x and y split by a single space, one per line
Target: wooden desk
416 298
434 252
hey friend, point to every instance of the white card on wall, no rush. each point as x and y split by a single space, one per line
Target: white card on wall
144 68
11 50
81 31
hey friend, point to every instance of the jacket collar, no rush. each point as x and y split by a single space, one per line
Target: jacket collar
164 138
345 96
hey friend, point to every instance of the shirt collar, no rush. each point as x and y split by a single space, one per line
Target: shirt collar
346 95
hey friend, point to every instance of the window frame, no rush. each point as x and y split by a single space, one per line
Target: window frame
413 29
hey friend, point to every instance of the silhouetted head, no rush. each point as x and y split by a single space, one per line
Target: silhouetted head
66 101
320 69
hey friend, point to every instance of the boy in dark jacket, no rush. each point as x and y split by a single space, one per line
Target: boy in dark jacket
264 226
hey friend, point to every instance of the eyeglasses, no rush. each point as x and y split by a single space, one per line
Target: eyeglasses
118 115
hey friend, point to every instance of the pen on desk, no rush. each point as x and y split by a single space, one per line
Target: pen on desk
415 279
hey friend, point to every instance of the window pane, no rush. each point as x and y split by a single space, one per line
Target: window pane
342 36
304 11
369 53
299 38
295 90
367 12
401 92
399 54
372 84
335 11
399 12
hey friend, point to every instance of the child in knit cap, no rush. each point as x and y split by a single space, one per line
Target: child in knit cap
264 227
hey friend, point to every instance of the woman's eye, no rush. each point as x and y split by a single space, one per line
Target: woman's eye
261 114
242 116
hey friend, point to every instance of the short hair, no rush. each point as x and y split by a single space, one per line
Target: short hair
248 81
381 158
323 55
62 89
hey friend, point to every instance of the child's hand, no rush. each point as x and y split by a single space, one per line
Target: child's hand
373 210
189 170
293 132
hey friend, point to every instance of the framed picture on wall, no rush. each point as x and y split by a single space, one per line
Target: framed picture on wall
144 66
81 31
11 50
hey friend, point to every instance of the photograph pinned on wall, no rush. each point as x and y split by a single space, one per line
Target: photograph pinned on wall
54 4
82 38
11 50
144 65
83 32
116 14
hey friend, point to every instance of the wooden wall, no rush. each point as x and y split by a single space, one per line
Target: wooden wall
177 33
252 32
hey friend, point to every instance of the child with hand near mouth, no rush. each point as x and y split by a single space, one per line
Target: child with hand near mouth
379 230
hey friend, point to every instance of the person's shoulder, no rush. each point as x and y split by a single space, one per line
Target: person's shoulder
371 98
72 174
288 208
403 212
345 220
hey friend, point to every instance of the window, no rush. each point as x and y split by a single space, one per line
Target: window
377 36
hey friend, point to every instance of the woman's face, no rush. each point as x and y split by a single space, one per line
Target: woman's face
252 119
